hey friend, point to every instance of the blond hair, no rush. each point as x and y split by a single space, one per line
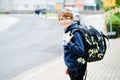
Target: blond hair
65 13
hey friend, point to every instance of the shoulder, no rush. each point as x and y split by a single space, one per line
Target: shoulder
76 33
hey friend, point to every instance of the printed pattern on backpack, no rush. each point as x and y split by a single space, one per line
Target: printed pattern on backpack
94 42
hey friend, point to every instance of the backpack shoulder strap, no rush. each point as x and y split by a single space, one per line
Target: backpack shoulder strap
106 38
74 30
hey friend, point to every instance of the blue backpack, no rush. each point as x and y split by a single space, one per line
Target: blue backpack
95 44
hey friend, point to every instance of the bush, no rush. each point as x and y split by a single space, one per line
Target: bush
118 15
115 24
106 9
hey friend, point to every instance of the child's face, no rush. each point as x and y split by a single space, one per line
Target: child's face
66 22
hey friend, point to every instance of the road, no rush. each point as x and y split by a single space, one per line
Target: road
30 42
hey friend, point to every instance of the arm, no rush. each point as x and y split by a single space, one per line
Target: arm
76 47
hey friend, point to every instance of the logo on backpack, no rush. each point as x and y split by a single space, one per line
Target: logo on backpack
94 42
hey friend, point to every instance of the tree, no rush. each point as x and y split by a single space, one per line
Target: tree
117 3
100 3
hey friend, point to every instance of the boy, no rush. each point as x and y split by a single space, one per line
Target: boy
73 46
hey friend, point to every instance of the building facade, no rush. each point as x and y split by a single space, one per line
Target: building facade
81 4
25 5
51 5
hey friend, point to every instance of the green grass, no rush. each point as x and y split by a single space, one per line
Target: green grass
3 12
51 15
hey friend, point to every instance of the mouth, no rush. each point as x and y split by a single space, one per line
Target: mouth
65 23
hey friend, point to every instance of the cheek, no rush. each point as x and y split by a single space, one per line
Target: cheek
61 23
70 23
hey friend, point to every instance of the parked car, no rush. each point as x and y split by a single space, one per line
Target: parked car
37 11
43 11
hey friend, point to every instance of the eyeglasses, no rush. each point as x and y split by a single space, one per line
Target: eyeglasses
66 19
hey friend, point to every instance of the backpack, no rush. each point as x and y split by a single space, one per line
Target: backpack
95 43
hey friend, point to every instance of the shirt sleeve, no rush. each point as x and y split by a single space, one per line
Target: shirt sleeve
76 46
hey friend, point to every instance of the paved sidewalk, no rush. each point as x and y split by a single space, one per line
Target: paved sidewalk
107 69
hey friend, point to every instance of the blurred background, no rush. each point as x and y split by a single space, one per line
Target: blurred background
31 38
25 6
